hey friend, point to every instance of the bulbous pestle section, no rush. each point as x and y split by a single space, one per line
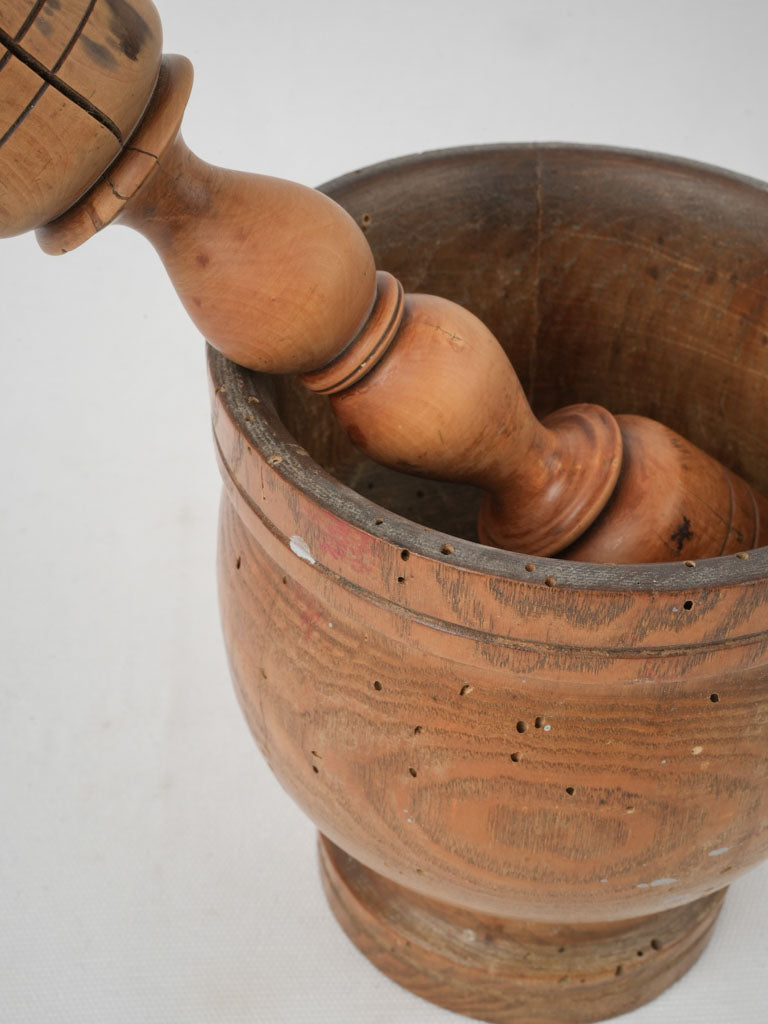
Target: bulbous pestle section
275 275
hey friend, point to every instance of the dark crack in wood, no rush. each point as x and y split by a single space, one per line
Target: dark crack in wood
25 27
51 79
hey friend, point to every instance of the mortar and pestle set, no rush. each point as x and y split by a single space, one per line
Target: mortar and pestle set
536 761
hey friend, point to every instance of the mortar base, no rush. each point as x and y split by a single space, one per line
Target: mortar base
510 971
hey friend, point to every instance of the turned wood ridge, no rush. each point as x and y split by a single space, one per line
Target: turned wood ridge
281 279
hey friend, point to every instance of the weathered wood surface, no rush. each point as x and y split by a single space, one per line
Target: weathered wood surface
530 738
506 971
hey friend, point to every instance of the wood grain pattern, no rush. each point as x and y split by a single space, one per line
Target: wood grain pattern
540 974
529 771
564 747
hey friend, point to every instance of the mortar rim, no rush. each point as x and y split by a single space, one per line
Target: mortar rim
264 431
267 434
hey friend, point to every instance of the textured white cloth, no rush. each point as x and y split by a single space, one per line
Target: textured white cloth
151 869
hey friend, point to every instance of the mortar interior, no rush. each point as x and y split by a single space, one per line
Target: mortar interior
635 281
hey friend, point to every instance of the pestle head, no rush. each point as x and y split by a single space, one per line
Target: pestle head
75 78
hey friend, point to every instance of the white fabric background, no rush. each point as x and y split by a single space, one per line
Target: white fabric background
151 869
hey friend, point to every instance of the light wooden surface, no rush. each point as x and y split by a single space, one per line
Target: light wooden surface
93 890
87 65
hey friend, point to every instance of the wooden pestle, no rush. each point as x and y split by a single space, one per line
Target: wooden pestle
281 279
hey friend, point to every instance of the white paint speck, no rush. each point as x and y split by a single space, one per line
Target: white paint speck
663 881
642 885
603 881
696 751
719 851
664 761
330 624
300 547
468 935
547 728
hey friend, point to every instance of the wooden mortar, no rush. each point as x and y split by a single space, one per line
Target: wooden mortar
533 777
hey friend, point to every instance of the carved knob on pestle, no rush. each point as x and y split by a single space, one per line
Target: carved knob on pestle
280 279
75 77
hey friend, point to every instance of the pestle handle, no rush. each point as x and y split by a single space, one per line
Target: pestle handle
280 279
